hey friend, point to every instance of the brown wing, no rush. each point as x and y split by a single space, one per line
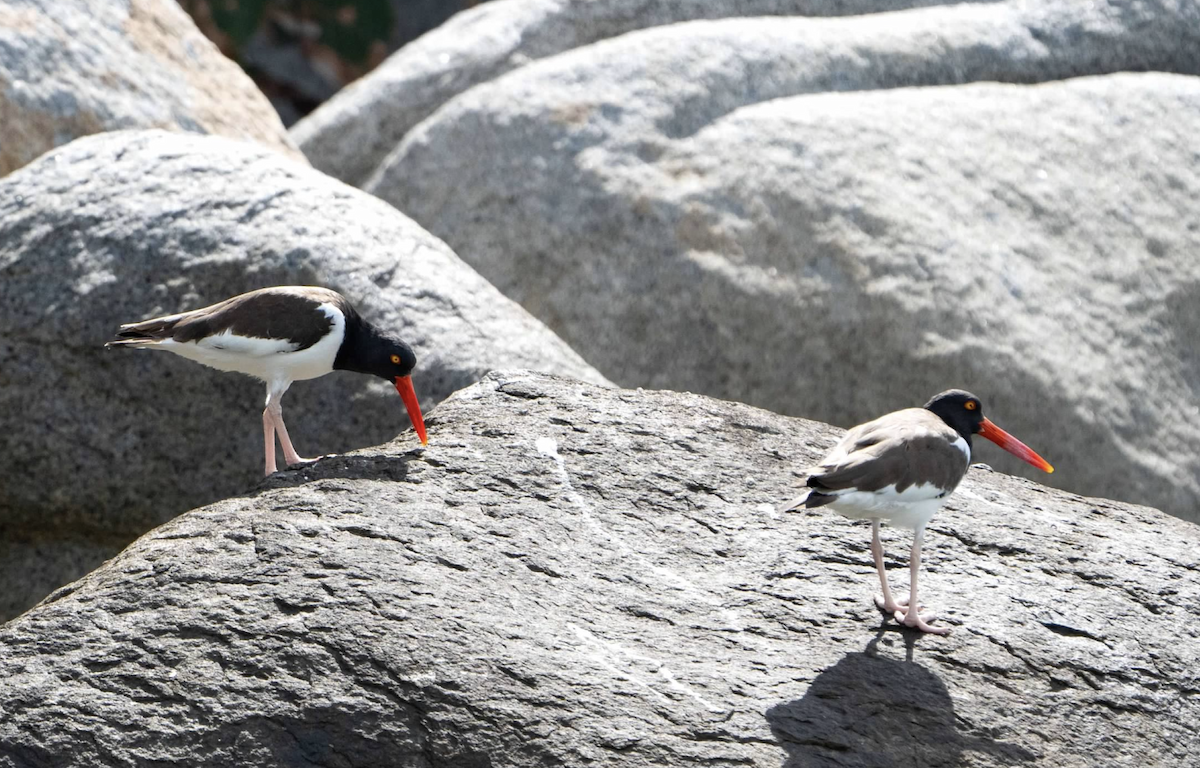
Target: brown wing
903 449
284 312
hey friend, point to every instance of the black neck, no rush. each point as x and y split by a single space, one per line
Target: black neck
360 338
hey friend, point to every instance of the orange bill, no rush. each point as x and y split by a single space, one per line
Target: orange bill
405 388
1013 445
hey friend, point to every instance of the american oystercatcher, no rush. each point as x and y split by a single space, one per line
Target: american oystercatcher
281 335
900 468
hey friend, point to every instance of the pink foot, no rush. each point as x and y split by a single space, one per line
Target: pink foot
299 462
914 619
889 607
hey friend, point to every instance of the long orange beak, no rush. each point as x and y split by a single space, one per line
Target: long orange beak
405 388
1013 445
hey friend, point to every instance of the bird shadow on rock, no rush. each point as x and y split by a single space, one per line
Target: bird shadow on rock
870 711
354 466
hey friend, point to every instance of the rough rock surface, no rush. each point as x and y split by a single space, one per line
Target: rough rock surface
348 136
98 444
575 575
838 255
70 68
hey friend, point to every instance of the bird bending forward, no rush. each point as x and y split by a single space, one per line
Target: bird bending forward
900 468
280 335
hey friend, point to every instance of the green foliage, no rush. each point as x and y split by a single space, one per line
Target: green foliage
373 21
349 27
238 18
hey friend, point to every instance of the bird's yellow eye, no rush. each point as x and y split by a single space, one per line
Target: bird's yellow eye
970 405
396 360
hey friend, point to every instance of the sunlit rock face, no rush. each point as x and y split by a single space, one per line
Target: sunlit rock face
576 574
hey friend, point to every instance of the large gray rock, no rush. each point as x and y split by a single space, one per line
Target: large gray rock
101 444
70 68
576 575
351 134
840 255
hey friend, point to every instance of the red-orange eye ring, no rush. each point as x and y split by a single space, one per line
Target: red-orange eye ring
970 405
396 359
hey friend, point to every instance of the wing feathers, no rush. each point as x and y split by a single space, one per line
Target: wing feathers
904 449
146 331
288 314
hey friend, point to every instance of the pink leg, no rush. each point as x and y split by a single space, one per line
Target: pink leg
289 453
269 441
885 603
913 617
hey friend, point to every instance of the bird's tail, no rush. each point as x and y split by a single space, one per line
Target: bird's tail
810 499
146 332
794 504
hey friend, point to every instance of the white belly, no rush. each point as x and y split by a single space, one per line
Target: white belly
911 509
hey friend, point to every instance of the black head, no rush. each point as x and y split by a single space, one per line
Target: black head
366 350
390 358
964 413
960 409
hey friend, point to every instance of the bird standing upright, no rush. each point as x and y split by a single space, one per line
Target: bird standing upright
900 468
280 335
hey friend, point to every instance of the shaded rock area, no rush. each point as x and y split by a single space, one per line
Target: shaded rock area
573 574
100 445
71 68
668 204
350 135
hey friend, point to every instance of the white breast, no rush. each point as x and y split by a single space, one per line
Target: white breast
961 445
